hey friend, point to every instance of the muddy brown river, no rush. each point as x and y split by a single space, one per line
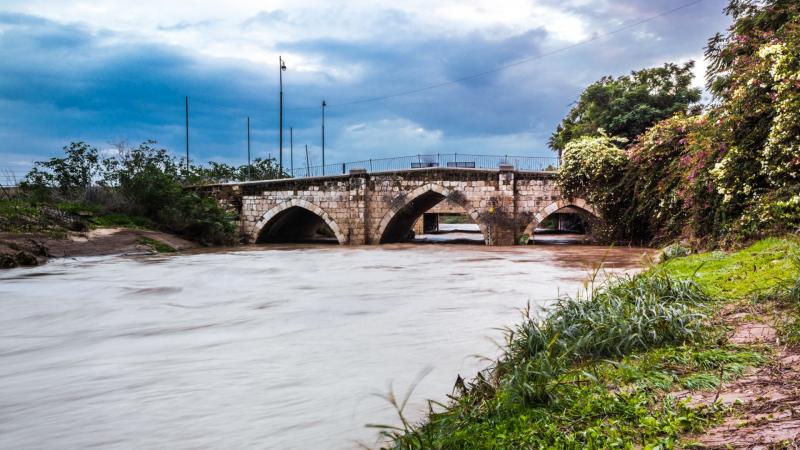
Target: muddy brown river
282 347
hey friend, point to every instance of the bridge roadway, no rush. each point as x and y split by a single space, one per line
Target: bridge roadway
381 207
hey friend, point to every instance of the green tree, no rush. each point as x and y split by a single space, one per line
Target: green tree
151 180
262 169
628 105
146 176
70 175
214 172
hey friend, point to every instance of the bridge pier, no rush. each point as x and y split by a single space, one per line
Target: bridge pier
501 212
370 208
357 229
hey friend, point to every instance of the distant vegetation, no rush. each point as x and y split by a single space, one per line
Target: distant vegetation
454 219
661 168
140 187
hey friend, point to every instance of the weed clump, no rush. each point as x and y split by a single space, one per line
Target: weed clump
555 383
632 314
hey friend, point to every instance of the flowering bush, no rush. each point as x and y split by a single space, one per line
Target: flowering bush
780 159
669 180
756 71
776 212
675 251
590 165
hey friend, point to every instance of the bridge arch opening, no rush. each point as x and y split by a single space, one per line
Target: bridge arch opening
296 221
410 216
564 221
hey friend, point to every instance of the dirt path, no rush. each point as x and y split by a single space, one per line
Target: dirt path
29 249
767 402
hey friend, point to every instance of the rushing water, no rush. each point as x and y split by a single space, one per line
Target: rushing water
280 347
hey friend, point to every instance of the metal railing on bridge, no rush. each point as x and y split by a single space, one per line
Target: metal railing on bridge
455 160
8 178
8 184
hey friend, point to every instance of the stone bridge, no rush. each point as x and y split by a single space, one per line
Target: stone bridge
373 208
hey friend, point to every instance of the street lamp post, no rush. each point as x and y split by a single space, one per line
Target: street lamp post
308 164
187 135
280 77
291 152
323 136
249 166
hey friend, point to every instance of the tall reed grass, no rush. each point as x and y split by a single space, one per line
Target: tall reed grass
625 315
545 357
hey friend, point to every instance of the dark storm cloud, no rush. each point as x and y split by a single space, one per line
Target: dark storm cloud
63 82
59 80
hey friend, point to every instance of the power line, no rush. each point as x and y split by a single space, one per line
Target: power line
512 64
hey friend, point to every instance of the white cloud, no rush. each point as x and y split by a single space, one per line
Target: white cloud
512 17
388 136
699 72
251 29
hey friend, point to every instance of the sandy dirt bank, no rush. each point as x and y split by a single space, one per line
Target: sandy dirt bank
30 249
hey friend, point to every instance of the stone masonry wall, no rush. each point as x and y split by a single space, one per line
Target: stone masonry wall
359 207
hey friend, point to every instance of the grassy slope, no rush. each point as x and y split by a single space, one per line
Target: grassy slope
755 269
21 216
624 400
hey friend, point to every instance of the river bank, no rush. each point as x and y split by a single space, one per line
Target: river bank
32 249
699 351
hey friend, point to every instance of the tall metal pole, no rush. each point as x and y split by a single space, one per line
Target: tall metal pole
280 76
187 134
291 151
307 164
249 166
323 136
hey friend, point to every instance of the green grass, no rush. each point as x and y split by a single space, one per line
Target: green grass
78 208
581 377
15 208
624 403
156 245
22 216
121 220
758 268
628 315
601 372
454 219
102 219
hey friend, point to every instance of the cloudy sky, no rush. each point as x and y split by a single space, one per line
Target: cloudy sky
105 71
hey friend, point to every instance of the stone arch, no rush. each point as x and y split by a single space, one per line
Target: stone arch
428 195
542 214
275 211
